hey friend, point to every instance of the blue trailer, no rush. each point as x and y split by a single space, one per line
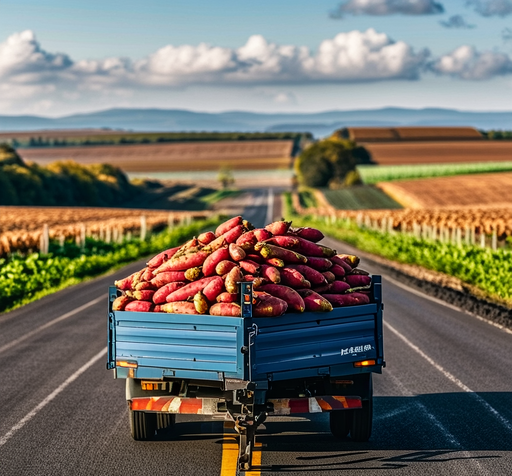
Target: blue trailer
243 369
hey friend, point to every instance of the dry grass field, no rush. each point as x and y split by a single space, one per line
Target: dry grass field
409 153
476 190
392 134
173 157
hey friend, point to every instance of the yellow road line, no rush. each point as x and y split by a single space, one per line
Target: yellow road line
256 461
230 454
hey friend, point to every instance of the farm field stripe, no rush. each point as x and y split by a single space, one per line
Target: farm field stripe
51 323
448 305
452 378
4 439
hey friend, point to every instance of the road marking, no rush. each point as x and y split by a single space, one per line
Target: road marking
229 465
452 378
4 439
51 323
270 206
444 303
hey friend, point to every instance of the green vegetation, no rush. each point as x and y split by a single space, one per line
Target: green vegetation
360 197
497 135
372 174
307 198
25 279
327 162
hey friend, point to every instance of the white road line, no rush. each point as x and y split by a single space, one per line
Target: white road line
270 206
452 378
51 323
445 304
4 439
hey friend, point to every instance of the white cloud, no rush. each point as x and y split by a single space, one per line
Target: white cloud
285 98
387 7
467 63
489 8
456 21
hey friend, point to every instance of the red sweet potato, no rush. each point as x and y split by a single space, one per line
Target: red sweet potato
146 295
190 246
160 258
269 306
232 235
328 252
350 260
157 308
179 307
125 283
284 241
293 278
226 309
309 248
207 237
337 270
276 262
249 239
322 289
339 287
189 290
314 302
329 276
236 252
214 259
273 251
357 280
232 279
320 264
184 262
137 278
270 273
228 297
162 279
201 303
278 227
311 234
192 274
292 297
257 281
224 267
254 257
215 244
360 271
228 225
120 303
139 306
250 266
312 275
213 289
337 260
143 285
160 296
148 274
340 300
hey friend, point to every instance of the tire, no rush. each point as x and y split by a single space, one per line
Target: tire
143 425
165 420
361 428
340 422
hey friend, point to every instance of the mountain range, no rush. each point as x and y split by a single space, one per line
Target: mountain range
320 124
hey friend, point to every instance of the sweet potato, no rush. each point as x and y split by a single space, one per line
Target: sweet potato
189 247
250 266
293 278
357 280
228 297
320 264
257 281
329 276
283 241
276 262
311 234
184 262
146 295
161 294
351 260
228 225
143 285
328 252
189 290
273 251
200 303
248 225
269 306
339 287
292 298
236 252
359 271
340 300
139 306
214 259
337 260
309 248
160 258
215 244
179 307
125 283
137 278
270 273
278 227
226 309
207 237
120 303
312 275
148 275
314 302
337 270
233 277
249 239
224 267
157 308
162 279
322 289
232 235
256 258
192 274
213 289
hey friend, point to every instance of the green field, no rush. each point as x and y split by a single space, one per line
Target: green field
372 174
360 197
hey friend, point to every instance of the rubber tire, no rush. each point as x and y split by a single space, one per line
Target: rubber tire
143 425
361 428
339 422
165 420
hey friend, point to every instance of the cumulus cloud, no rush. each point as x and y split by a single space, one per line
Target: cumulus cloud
489 8
387 7
467 63
456 21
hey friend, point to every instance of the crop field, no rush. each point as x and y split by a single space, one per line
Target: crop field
439 152
478 190
173 157
392 134
360 197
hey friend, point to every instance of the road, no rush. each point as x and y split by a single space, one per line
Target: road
442 404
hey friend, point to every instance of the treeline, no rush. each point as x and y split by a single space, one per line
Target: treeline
154 137
61 183
497 135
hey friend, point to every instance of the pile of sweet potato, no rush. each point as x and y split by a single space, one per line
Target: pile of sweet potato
289 270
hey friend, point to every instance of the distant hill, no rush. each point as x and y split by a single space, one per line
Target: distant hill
320 124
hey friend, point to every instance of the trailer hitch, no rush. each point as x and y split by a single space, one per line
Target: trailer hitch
246 427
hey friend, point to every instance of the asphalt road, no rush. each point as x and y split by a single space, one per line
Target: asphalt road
442 406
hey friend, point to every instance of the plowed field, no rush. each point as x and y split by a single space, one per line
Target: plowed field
173 157
377 134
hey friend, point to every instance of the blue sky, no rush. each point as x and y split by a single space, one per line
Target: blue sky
59 57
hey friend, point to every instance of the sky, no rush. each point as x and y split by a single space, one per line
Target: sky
61 57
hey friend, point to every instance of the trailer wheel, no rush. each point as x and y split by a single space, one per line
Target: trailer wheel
143 425
361 427
165 420
339 422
